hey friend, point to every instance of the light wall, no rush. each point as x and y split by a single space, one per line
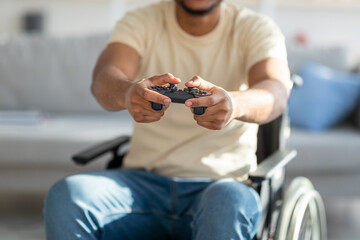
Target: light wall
65 17
323 24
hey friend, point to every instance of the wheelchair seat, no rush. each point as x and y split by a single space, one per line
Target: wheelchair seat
294 213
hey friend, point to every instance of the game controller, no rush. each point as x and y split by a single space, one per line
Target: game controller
179 96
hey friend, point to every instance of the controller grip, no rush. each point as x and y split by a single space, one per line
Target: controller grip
199 110
156 106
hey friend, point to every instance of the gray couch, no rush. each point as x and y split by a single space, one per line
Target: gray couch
330 158
47 112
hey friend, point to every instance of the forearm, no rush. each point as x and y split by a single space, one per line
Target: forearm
109 87
262 102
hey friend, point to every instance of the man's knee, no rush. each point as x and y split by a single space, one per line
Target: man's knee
57 199
233 199
227 209
233 191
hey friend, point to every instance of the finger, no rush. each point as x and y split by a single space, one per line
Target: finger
144 110
153 96
214 118
204 101
204 117
209 125
152 111
163 79
146 118
213 111
147 110
200 83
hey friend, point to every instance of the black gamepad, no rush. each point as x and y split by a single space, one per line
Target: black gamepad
179 96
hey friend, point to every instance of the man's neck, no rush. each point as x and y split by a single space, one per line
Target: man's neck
197 25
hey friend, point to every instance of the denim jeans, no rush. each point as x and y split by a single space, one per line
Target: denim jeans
139 205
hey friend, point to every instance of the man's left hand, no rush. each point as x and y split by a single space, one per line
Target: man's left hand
220 105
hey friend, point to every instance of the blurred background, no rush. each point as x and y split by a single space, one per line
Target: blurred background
48 49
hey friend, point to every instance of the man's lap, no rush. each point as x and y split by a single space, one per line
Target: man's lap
128 201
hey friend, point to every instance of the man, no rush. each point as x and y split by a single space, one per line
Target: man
182 178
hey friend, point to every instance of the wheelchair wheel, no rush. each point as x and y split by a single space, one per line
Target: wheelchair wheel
302 215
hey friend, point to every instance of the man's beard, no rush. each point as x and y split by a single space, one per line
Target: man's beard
202 12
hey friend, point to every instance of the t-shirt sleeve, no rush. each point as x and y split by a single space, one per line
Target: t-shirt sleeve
131 30
263 40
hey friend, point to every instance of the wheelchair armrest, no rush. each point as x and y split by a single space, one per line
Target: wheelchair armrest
96 151
269 166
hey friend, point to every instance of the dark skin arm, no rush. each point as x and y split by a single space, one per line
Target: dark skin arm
266 98
115 89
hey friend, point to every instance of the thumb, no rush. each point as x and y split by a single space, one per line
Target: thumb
200 83
163 79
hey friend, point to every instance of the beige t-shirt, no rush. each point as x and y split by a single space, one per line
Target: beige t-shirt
176 145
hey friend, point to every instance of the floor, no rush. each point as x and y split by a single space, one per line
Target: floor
20 217
22 227
19 221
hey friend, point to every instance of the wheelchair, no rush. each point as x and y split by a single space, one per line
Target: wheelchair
294 213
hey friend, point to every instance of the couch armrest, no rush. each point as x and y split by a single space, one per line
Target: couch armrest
96 151
269 166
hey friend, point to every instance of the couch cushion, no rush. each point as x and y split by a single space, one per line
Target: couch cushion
326 97
329 159
334 151
48 73
53 138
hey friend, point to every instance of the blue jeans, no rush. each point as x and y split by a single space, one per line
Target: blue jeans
139 205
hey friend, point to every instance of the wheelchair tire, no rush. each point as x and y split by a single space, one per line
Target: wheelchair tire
302 215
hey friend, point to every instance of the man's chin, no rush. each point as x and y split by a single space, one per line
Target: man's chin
197 12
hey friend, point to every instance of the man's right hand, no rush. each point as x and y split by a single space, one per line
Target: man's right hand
138 98
115 88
